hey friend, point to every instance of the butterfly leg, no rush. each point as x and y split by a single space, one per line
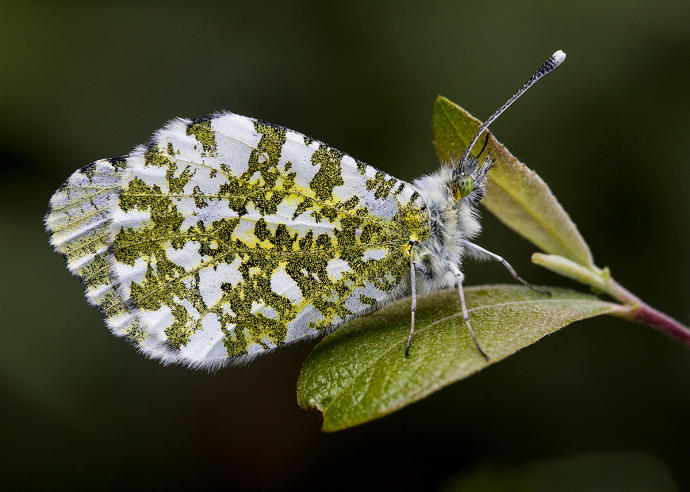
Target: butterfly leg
413 283
479 252
465 314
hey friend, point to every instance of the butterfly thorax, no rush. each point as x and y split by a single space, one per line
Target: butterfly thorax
453 218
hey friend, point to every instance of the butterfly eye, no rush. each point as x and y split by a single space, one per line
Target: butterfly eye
463 187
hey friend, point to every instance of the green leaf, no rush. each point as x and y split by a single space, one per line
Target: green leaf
359 372
515 194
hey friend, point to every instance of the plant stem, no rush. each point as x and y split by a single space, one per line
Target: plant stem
635 309
599 279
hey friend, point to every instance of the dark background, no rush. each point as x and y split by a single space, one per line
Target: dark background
608 131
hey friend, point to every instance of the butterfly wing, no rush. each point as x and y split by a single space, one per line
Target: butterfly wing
226 237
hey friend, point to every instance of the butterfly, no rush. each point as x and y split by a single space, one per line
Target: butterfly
225 237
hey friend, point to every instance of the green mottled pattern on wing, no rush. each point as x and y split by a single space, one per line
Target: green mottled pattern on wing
226 237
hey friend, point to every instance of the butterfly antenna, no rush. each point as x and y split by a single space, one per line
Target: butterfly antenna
548 66
486 141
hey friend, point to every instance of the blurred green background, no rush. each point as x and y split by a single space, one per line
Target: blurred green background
608 131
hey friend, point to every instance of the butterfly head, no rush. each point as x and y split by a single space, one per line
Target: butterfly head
469 179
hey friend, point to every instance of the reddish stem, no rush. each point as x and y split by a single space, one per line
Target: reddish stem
637 310
656 319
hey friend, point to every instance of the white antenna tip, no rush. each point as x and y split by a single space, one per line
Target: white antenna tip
558 57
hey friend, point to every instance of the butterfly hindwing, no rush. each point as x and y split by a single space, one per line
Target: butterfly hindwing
227 236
